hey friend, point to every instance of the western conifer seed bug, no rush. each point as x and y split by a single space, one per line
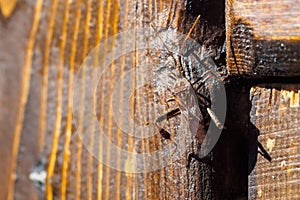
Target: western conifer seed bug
198 125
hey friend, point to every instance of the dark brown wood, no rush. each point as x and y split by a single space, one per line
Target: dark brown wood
231 151
262 38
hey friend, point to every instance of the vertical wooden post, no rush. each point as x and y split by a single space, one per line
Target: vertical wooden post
231 151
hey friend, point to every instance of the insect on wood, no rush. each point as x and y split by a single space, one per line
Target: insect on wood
197 112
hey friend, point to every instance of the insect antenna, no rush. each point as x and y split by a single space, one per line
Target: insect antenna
188 35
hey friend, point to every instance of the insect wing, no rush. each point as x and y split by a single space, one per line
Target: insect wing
188 104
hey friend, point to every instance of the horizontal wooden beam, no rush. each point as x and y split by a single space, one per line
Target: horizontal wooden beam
263 38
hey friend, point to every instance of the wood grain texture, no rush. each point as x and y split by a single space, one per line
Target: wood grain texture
275 114
15 81
262 38
7 7
37 125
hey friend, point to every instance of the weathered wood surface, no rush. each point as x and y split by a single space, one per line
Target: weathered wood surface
37 130
17 43
262 38
43 43
275 114
7 7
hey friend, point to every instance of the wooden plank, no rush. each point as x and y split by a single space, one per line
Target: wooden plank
16 61
57 45
262 38
275 115
45 139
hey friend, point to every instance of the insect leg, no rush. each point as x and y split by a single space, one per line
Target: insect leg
208 105
204 77
263 152
205 98
165 134
168 115
206 160
169 100
215 119
196 81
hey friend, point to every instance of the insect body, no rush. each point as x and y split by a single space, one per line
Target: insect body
196 112
193 98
